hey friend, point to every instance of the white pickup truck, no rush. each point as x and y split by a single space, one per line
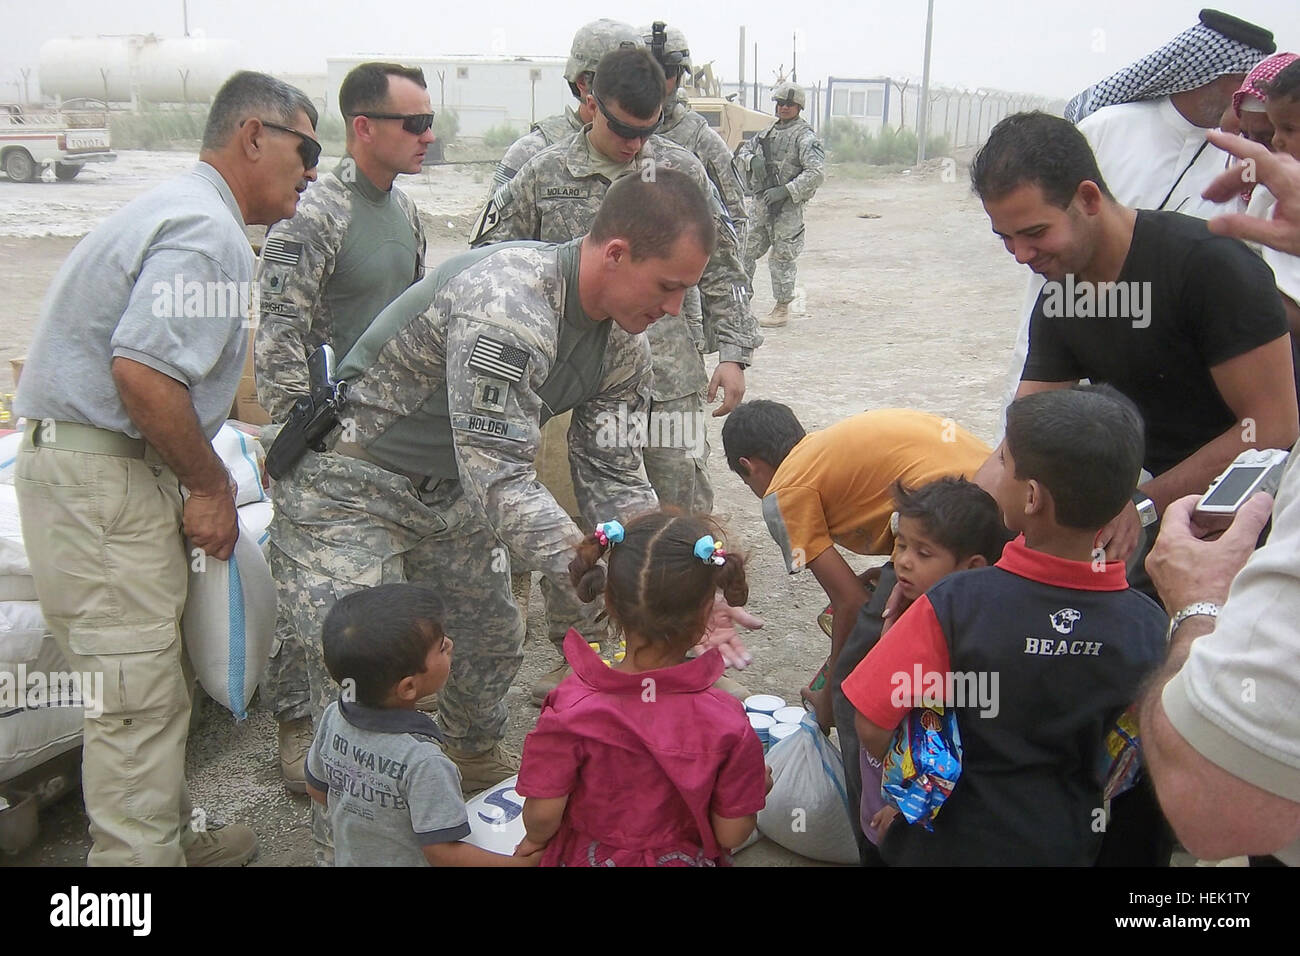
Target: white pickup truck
31 141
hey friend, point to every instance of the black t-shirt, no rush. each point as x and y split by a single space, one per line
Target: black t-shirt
1209 299
1067 663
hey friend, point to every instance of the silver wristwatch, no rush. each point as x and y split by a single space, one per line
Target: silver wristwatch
1206 608
1146 509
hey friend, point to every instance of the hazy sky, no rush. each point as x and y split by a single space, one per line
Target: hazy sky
1053 47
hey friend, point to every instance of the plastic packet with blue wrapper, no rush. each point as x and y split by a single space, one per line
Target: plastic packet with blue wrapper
922 764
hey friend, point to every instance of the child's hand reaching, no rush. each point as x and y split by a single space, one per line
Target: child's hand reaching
883 818
527 848
722 634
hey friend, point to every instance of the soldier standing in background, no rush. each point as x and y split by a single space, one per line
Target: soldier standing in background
355 245
592 41
782 168
691 131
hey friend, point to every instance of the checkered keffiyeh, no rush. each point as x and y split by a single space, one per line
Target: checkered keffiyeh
1262 75
1195 57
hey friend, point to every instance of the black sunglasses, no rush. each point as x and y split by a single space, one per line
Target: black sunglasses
623 130
308 148
414 123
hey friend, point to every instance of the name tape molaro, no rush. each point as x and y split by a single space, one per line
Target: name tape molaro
566 192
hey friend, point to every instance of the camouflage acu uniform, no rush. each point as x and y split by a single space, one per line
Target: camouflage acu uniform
555 197
691 131
544 133
796 159
433 479
322 280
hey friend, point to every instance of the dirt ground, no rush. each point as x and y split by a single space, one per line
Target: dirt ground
907 300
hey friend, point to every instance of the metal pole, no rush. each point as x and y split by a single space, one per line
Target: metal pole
185 15
794 57
740 98
755 76
923 114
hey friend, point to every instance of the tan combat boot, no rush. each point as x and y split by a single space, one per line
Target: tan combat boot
777 318
480 771
733 687
548 682
295 741
223 844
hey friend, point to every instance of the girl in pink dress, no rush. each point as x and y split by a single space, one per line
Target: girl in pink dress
644 763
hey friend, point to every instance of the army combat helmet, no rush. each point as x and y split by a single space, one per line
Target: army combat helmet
789 94
669 47
592 41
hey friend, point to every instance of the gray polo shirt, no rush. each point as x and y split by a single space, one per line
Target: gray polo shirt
164 281
391 789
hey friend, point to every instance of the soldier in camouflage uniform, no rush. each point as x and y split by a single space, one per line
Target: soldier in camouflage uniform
691 131
433 481
555 197
592 41
354 246
782 168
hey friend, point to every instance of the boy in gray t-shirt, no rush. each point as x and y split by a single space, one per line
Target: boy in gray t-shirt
392 795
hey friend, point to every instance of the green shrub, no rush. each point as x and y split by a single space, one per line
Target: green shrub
332 133
446 124
153 128
894 147
848 141
851 143
499 137
937 146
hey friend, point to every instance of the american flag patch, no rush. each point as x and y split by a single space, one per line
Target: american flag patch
499 359
281 250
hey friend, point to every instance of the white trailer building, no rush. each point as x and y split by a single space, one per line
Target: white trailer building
485 91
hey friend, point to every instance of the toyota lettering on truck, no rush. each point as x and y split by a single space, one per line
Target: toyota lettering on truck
30 142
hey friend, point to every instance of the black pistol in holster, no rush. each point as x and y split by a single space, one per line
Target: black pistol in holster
313 416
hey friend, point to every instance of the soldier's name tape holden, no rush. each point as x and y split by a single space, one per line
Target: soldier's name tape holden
511 431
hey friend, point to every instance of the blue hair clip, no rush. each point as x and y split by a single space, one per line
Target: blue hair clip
609 533
710 551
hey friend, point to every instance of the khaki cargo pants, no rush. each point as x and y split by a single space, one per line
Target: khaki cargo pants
102 532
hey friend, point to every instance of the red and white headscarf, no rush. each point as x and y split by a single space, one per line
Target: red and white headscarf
1264 73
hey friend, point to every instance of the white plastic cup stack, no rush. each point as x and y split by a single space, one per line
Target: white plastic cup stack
762 724
759 708
788 715
779 732
764 703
